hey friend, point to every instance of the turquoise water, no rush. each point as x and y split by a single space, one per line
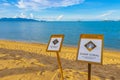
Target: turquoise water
41 31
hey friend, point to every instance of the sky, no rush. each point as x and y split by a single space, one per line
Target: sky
61 10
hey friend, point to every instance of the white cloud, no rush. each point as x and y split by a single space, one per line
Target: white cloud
15 16
31 15
21 4
22 15
108 13
42 4
70 2
59 17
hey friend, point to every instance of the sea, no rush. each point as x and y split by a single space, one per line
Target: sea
40 32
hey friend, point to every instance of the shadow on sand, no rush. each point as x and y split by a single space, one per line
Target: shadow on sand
110 71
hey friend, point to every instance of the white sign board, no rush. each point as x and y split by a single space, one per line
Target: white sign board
55 43
90 48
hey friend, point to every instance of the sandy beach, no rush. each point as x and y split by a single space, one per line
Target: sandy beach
30 61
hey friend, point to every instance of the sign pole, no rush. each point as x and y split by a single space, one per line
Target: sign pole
90 50
54 45
60 66
89 71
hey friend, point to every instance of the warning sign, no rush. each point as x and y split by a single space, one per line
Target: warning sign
55 43
90 45
90 48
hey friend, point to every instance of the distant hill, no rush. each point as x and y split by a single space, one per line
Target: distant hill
17 19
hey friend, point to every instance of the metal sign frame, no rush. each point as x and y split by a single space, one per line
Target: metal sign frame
55 36
95 37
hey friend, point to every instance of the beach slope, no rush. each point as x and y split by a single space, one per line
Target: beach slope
30 61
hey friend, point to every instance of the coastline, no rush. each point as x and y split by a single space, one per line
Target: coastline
31 61
44 43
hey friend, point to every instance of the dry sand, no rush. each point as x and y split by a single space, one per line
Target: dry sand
30 61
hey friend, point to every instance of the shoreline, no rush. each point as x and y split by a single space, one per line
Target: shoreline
66 51
43 43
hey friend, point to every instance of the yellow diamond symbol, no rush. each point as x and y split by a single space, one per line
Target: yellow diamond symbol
90 45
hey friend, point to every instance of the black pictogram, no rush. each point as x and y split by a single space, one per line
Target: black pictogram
90 45
55 41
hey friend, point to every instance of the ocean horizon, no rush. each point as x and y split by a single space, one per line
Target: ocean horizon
40 32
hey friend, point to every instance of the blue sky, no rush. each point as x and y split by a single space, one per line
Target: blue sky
61 10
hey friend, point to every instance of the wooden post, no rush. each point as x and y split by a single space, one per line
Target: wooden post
60 66
89 71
